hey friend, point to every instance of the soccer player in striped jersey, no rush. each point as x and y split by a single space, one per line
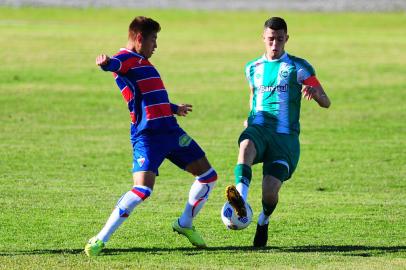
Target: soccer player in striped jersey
155 135
277 81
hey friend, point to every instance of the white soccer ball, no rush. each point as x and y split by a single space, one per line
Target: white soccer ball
232 220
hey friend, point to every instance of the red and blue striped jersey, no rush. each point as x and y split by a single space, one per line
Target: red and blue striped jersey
143 90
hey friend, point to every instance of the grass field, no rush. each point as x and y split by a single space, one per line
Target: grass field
65 156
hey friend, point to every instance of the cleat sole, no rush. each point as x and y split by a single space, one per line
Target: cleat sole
236 201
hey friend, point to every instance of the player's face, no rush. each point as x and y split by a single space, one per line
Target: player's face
275 41
148 45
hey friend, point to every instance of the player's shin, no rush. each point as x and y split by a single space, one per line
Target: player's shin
243 175
123 209
198 195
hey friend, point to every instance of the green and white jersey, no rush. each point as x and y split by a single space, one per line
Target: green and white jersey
277 88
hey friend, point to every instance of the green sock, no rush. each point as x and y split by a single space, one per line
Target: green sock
243 174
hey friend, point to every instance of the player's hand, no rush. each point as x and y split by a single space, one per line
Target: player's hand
102 60
308 92
183 109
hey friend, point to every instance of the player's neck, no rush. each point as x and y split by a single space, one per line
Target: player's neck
132 46
271 56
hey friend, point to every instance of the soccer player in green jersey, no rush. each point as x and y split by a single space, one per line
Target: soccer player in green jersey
277 81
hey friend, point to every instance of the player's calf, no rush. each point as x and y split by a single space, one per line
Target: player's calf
198 195
123 209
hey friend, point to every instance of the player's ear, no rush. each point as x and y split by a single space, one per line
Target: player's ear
139 38
287 37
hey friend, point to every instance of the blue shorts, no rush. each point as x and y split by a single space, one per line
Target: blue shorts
149 151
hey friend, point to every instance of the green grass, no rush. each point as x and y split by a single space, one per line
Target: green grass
65 156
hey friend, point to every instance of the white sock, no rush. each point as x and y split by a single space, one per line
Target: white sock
198 195
243 190
262 219
123 209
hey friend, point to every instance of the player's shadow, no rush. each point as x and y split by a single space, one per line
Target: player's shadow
345 250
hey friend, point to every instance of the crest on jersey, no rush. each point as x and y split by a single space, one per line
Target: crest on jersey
184 140
140 161
283 71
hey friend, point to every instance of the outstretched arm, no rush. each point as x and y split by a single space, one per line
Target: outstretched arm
102 60
107 63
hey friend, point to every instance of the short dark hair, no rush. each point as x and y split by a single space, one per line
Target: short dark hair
276 23
143 25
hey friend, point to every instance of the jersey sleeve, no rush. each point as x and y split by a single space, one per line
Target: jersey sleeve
248 74
305 71
113 65
174 108
121 63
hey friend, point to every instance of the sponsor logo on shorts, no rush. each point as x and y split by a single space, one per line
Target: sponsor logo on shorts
184 140
140 161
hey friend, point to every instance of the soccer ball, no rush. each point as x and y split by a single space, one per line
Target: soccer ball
232 220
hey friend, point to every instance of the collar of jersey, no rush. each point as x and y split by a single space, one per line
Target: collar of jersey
136 54
274 60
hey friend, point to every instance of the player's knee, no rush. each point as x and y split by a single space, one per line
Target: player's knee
279 170
131 199
143 192
203 186
208 177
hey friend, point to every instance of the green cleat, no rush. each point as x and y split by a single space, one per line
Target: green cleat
191 234
94 247
236 200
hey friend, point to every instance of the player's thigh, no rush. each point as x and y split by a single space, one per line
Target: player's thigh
247 152
189 156
282 156
149 153
255 134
